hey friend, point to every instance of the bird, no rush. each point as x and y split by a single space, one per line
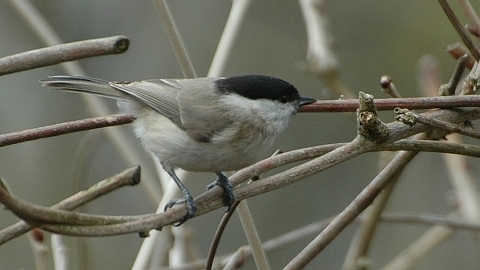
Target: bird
210 124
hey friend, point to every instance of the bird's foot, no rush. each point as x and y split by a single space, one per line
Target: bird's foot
229 194
191 208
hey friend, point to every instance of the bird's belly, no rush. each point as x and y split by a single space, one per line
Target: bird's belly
175 149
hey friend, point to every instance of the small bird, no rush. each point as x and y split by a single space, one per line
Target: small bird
202 124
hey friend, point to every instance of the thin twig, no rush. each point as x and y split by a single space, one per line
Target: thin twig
64 128
388 86
253 239
228 38
63 53
413 118
449 88
39 249
458 50
351 105
320 59
432 238
218 235
450 220
474 26
175 40
459 28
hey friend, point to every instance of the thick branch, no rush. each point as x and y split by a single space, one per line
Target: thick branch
130 176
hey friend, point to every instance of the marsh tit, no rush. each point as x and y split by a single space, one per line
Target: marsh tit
202 124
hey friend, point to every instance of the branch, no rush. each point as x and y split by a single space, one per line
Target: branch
64 128
130 176
63 53
175 40
410 118
351 105
459 28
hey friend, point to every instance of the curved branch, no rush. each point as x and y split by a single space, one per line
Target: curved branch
130 176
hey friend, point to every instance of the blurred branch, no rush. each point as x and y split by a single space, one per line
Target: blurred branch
460 29
251 234
474 26
320 59
419 248
229 36
64 128
39 249
60 252
63 53
388 86
458 50
175 40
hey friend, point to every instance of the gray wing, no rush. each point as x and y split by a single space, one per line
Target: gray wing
160 95
189 103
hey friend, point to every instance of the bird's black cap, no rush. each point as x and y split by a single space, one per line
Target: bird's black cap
258 87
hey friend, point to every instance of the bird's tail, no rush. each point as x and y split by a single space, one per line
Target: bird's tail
85 85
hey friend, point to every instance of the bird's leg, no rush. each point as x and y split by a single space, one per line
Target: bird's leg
187 198
228 195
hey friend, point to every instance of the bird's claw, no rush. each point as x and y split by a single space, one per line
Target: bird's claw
191 208
228 194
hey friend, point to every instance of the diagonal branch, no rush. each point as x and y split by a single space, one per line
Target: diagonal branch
64 128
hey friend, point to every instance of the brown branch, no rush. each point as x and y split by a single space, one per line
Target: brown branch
459 28
218 235
474 25
458 50
63 53
449 88
130 176
412 118
64 128
351 105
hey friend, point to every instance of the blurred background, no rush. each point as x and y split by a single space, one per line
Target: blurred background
371 38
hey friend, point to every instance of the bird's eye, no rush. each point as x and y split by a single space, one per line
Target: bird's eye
283 99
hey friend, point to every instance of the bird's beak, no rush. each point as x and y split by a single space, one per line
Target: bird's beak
306 100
